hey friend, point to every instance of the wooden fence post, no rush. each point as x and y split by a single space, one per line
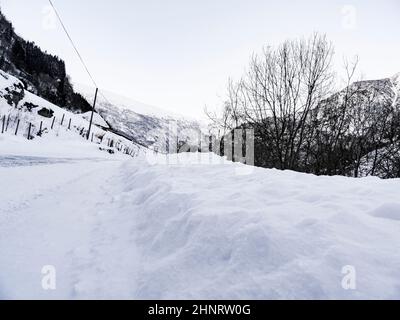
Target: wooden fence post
62 120
167 143
8 122
69 124
52 124
29 131
16 130
4 123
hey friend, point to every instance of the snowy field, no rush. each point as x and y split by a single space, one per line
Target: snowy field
117 227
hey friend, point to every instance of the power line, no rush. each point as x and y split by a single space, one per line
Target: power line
73 44
77 51
83 63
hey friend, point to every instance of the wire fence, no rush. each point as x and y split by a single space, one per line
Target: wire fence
18 125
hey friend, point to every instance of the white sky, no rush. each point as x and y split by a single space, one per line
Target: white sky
179 54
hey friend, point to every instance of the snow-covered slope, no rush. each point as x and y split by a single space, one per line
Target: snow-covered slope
11 90
374 92
20 109
147 125
196 229
126 103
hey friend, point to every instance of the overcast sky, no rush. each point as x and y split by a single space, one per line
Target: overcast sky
179 54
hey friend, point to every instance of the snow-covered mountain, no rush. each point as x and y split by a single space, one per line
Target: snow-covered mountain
147 125
369 113
379 91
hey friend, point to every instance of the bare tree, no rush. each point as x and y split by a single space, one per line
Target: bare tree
280 89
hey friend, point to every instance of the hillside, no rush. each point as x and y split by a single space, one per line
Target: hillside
30 125
146 125
367 114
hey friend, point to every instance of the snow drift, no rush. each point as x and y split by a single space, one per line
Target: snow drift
196 229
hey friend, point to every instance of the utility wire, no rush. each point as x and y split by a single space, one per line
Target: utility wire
73 44
77 51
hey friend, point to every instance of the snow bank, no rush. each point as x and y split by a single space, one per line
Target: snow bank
205 232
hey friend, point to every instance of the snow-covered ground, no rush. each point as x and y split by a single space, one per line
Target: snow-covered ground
140 228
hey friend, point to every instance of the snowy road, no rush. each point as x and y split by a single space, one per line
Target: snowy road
24 161
59 215
127 229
